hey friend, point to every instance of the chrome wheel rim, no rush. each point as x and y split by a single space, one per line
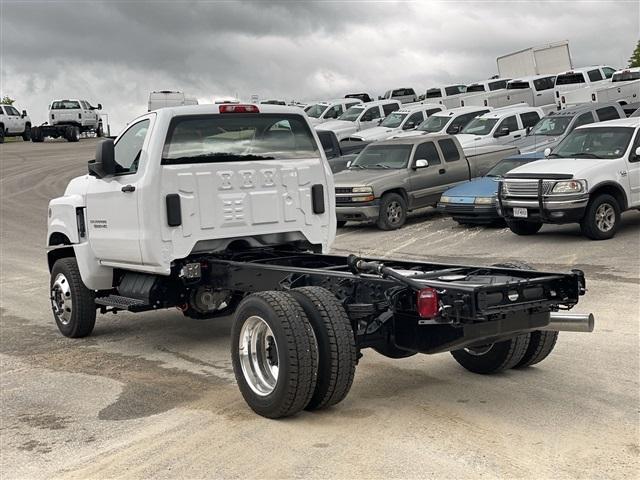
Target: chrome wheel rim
61 300
394 212
605 217
479 350
258 353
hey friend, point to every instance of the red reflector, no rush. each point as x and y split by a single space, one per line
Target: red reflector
235 108
427 302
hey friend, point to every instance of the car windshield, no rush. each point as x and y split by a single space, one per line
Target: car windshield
480 126
552 126
65 105
595 142
507 165
316 110
393 120
625 76
238 137
434 124
352 114
382 157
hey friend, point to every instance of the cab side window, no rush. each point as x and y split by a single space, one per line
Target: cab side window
607 113
129 148
510 122
427 151
529 119
389 108
449 150
413 121
584 119
594 75
334 112
608 72
371 114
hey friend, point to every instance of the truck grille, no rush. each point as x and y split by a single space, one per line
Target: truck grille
459 209
344 189
525 188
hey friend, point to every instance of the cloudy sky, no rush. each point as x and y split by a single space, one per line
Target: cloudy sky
116 52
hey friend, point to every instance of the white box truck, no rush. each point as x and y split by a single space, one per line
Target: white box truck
540 60
169 98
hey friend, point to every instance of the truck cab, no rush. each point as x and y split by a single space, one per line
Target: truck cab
163 175
360 117
535 90
403 95
447 95
77 113
446 121
14 123
169 98
580 78
404 120
320 112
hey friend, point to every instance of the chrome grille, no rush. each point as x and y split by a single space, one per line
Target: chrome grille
344 189
525 188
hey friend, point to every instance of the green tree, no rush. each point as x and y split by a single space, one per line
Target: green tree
7 100
634 61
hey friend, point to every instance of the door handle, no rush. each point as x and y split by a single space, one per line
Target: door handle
442 171
517 136
128 188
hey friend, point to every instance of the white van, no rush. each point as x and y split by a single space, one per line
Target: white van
169 98
320 112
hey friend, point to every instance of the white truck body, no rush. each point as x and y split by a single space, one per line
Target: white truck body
483 86
403 120
447 95
540 60
624 87
169 98
321 112
75 112
583 77
447 121
360 117
536 91
219 202
13 122
403 95
500 126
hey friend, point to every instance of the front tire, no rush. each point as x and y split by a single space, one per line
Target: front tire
393 212
520 227
341 223
1 133
73 304
336 345
493 358
601 219
274 354
26 135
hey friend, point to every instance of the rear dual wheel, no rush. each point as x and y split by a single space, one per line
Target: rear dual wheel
292 350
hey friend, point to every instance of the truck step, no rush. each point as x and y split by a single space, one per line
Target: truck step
123 303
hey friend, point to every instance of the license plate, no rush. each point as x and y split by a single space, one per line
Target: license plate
520 212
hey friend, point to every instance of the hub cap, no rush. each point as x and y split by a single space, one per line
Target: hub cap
61 301
394 212
605 217
258 352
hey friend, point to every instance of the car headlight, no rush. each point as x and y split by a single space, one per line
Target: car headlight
570 186
483 200
444 199
362 190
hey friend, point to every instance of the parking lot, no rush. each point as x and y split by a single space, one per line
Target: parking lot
154 394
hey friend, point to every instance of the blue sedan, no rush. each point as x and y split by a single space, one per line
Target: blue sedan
475 201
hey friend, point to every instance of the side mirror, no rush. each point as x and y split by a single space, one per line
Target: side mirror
421 163
380 121
529 130
453 129
99 106
105 163
637 152
547 151
24 113
409 126
348 163
503 132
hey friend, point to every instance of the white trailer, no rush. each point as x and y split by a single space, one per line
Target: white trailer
169 98
540 60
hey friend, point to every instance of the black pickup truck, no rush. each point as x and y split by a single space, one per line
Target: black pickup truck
339 153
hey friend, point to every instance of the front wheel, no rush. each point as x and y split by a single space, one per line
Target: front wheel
341 223
26 135
73 304
493 357
393 212
520 227
601 219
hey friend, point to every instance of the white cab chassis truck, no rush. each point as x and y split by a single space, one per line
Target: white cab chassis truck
590 178
69 118
221 210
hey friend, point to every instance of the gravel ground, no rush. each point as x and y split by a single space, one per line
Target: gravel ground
153 395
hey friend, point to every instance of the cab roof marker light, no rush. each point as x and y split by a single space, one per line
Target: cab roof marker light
237 108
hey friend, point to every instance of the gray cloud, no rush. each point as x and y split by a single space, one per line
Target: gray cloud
117 52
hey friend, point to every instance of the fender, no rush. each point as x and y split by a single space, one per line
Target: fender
616 187
63 218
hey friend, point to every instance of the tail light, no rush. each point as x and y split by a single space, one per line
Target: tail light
80 115
427 302
235 108
486 104
462 103
593 97
562 99
52 116
557 94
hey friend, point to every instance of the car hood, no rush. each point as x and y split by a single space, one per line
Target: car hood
338 125
467 140
410 133
478 187
377 133
570 167
370 177
536 143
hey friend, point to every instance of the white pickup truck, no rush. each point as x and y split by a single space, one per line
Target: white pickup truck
360 117
13 123
404 120
590 178
229 209
69 118
321 112
447 95
579 78
536 91
623 88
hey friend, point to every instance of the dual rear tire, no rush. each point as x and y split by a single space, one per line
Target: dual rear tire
292 350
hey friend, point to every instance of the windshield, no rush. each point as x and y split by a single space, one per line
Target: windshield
552 126
352 114
393 120
65 105
570 78
383 156
625 76
480 126
507 165
316 110
595 142
238 137
433 124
